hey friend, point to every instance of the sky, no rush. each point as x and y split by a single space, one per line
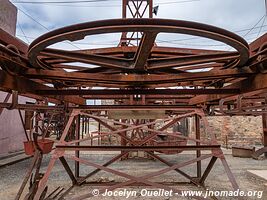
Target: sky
246 18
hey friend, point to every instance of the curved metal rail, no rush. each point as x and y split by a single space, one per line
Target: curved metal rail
132 66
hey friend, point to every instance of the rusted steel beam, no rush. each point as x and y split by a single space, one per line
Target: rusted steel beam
135 25
114 159
140 179
208 169
198 152
136 148
8 95
175 108
156 92
110 62
264 126
256 83
177 170
23 125
23 85
144 49
41 98
156 50
7 39
257 44
97 184
190 60
68 170
12 60
28 174
180 98
229 173
133 78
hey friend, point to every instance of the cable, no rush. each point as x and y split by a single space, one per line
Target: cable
254 26
43 25
261 26
23 33
199 38
114 42
32 18
175 2
160 41
91 1
63 3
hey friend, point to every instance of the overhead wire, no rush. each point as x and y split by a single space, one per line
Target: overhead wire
66 3
24 35
62 2
261 26
160 41
28 15
254 25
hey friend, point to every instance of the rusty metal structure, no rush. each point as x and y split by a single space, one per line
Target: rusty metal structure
152 88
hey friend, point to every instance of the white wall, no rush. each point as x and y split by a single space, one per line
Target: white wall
11 129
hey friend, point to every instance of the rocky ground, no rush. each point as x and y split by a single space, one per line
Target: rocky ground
12 176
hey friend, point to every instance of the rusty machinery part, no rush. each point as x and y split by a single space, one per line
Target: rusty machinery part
146 59
12 61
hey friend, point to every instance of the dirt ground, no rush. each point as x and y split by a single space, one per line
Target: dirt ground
12 176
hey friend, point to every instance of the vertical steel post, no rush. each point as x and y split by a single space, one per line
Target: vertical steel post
99 130
150 8
198 152
77 152
135 9
264 126
123 141
8 95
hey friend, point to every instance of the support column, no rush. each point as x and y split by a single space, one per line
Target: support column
264 126
123 141
198 152
77 152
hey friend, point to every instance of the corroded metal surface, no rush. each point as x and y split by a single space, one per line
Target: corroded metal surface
146 65
137 78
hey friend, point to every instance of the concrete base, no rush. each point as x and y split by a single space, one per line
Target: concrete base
13 159
261 174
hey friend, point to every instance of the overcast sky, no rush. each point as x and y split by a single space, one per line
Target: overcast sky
234 15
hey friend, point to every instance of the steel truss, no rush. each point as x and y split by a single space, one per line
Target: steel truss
235 85
63 146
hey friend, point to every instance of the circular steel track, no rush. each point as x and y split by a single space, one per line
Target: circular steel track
144 65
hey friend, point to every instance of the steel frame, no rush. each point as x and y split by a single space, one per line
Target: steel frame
136 9
201 144
235 84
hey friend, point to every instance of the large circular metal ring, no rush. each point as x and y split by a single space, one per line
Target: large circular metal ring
142 61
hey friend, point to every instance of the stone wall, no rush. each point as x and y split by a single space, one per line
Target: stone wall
236 130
